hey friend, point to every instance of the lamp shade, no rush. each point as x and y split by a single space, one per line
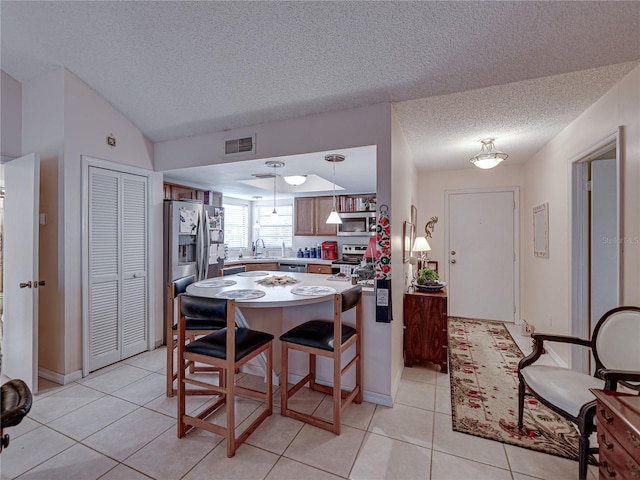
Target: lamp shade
488 157
421 245
334 218
371 250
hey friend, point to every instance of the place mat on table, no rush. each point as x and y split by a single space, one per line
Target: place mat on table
313 290
215 282
253 274
241 294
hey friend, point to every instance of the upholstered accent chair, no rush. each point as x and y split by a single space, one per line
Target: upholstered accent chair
330 339
616 348
227 349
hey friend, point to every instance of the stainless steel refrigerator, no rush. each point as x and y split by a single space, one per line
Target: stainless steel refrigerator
193 239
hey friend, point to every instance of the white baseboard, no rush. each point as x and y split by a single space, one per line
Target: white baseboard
555 357
59 378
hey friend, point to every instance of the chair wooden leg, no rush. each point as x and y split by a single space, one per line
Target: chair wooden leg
231 413
337 393
181 396
170 368
312 371
520 404
583 457
284 375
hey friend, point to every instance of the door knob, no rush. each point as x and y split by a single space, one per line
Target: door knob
453 261
453 252
25 284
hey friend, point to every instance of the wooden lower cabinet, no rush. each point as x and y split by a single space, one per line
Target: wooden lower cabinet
618 434
270 266
319 268
425 328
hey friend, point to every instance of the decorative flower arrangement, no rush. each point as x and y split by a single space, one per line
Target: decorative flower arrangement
278 280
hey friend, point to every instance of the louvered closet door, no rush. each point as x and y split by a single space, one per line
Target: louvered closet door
104 267
134 265
118 317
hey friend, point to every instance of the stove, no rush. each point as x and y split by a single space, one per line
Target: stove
351 255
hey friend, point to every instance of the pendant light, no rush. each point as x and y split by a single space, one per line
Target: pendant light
488 156
334 218
275 165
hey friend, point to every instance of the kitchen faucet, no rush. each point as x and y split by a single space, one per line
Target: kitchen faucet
256 243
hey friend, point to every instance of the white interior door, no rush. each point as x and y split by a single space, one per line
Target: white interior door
482 254
20 318
604 239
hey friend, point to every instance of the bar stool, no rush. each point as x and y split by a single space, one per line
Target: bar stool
227 349
316 337
195 327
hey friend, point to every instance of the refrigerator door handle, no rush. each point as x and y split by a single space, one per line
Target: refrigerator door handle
204 246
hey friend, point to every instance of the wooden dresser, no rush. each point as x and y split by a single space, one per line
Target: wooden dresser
618 434
425 328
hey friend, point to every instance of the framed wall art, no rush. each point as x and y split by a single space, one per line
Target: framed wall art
541 230
408 232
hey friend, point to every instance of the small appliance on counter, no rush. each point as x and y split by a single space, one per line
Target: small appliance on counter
330 250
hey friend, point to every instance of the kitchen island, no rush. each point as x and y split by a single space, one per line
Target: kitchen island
275 308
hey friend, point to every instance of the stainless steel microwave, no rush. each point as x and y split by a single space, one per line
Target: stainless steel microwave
357 224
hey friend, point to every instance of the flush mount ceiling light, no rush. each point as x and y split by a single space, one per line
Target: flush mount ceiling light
275 165
488 156
333 216
295 180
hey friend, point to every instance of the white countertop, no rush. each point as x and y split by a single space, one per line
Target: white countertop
292 260
275 295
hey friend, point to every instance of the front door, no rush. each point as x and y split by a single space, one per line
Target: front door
20 317
482 254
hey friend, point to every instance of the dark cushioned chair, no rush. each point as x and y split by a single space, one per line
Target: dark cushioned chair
195 327
615 347
227 349
317 337
232 270
16 403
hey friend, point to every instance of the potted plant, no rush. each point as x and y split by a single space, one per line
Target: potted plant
428 280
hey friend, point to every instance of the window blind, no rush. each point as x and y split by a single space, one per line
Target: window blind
275 232
236 225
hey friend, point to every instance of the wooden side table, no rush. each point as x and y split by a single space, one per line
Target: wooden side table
425 328
618 434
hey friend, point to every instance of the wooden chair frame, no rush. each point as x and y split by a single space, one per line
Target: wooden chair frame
227 388
171 338
341 398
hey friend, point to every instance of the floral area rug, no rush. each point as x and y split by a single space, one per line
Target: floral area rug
483 363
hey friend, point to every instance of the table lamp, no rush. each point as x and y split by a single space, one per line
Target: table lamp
422 246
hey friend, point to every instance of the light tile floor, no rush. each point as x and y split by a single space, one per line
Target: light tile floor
117 424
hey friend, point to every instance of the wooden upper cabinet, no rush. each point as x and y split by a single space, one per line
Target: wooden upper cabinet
311 214
304 216
323 209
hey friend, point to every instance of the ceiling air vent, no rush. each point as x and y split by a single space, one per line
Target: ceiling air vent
236 146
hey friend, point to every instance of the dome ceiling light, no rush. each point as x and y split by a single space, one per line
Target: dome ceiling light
295 180
488 157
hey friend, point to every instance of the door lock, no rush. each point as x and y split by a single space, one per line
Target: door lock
453 252
37 284
25 284
453 261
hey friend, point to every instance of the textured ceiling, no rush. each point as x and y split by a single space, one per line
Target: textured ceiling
460 71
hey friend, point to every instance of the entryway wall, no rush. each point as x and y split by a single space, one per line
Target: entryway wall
432 188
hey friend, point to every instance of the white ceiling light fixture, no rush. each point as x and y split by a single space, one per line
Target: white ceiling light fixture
333 216
295 180
275 165
488 157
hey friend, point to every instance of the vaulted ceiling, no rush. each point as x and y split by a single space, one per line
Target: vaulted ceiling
455 71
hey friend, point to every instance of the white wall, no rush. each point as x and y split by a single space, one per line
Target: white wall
547 179
404 194
43 133
10 116
64 119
